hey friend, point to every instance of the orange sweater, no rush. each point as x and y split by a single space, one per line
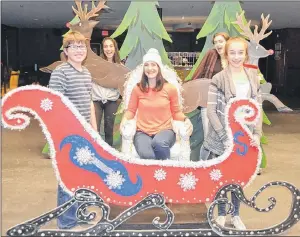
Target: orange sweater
156 109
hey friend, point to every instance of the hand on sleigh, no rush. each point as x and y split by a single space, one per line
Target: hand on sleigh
183 129
255 140
226 143
128 128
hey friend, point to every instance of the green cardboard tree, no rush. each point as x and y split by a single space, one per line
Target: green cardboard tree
219 20
145 31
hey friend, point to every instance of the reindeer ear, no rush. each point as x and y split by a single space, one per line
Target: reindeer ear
92 23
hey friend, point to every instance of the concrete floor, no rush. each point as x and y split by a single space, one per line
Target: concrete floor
29 184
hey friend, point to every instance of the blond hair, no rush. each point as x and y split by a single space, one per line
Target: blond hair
73 36
237 39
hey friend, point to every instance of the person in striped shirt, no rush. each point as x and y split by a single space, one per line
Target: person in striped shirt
74 81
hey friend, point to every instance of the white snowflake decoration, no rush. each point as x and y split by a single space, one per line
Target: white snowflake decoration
114 180
84 156
160 175
215 175
46 104
187 181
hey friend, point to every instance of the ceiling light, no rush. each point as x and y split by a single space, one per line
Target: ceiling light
35 19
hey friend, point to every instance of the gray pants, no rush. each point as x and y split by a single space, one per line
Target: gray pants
156 147
206 154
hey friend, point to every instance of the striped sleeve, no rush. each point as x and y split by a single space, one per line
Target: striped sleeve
58 81
212 102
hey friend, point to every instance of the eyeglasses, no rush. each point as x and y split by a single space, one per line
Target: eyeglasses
76 47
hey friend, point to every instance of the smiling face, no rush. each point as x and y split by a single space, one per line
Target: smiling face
76 52
109 49
151 69
236 53
219 44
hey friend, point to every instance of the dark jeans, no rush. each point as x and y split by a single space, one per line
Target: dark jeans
156 147
68 219
236 204
109 108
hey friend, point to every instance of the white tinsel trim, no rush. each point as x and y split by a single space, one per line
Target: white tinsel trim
244 123
14 113
97 138
135 76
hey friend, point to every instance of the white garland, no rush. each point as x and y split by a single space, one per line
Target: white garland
97 138
244 124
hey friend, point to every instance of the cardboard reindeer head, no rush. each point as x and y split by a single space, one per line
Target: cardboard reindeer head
195 91
256 51
104 73
86 25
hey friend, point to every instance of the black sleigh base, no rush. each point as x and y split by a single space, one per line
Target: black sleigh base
118 226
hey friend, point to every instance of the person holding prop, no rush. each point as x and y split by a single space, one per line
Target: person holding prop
235 81
214 60
106 99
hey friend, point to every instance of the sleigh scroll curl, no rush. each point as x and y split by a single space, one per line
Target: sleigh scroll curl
105 226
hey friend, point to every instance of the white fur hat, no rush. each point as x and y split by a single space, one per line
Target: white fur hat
153 55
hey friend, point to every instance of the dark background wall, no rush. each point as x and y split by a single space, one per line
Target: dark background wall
284 72
184 42
27 47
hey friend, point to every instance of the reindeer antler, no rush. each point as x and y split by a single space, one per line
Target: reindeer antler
96 9
84 14
265 25
246 31
80 13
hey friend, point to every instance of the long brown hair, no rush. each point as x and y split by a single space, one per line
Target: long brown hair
144 84
116 57
223 34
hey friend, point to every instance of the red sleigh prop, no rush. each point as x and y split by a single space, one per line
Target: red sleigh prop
82 159
96 174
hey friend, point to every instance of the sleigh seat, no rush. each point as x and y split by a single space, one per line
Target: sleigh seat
180 151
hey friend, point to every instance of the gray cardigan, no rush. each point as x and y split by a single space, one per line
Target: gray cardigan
221 90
